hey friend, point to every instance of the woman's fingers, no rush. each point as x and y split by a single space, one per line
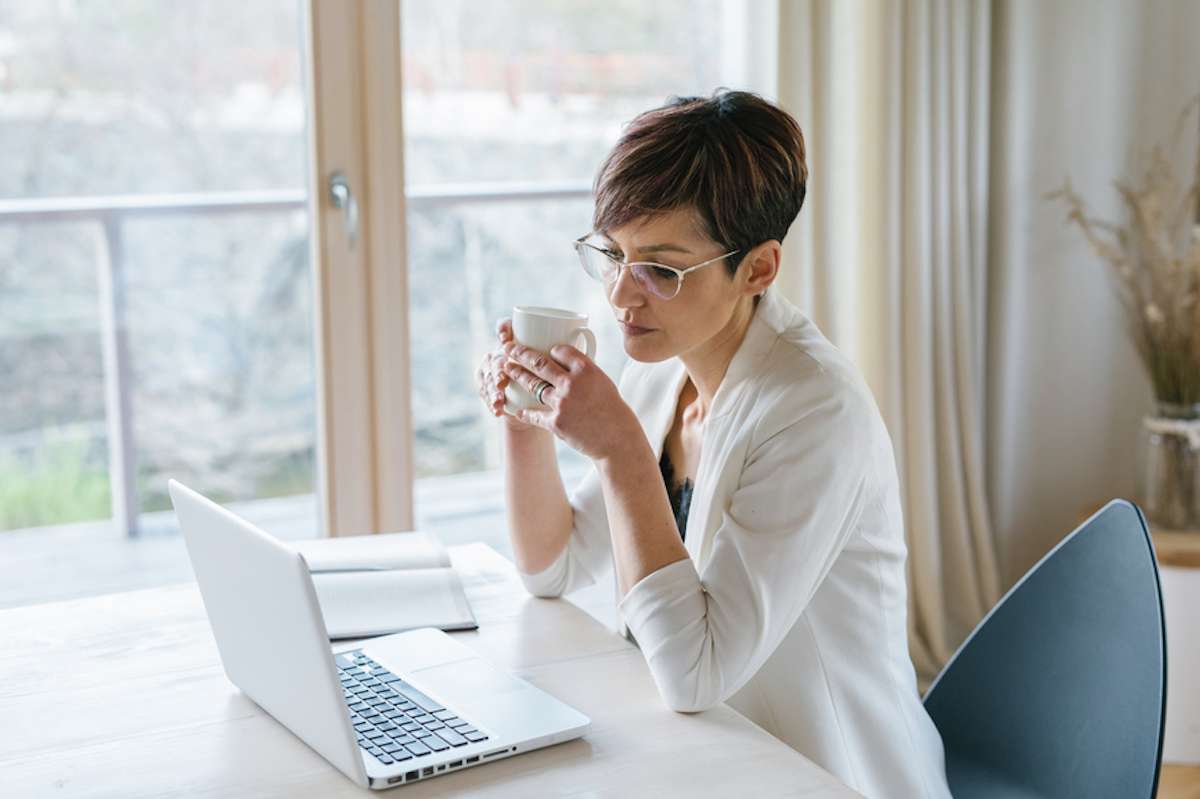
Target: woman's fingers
495 392
491 380
520 375
498 370
529 381
570 357
536 362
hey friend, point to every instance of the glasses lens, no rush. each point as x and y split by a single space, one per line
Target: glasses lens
660 282
598 265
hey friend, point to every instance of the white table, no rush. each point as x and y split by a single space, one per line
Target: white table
124 696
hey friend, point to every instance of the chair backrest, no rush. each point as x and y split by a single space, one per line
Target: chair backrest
1061 690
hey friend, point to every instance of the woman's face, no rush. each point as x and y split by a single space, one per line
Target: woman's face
655 329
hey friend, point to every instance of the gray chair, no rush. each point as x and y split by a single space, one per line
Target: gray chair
1061 690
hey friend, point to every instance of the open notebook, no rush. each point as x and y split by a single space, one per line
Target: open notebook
378 584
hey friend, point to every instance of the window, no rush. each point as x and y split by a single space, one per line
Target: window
155 287
155 293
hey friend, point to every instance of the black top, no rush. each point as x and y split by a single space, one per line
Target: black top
680 495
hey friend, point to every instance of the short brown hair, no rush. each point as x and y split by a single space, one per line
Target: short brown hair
735 158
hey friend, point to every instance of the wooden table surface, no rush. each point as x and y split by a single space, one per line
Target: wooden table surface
124 696
1179 548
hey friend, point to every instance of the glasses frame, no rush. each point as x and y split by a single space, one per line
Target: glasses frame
582 242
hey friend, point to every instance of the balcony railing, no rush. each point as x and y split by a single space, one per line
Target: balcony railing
108 215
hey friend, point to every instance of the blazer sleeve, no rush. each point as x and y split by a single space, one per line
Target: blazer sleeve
798 500
588 553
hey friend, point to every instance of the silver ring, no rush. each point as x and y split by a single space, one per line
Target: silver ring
541 389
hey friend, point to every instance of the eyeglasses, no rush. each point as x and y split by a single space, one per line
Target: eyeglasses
660 280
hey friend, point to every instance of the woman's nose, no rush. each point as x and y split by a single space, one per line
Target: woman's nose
625 291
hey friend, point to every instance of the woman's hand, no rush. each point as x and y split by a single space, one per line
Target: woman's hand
490 378
584 408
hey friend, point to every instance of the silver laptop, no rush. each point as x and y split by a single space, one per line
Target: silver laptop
394 710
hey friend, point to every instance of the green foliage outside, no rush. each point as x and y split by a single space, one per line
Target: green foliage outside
56 486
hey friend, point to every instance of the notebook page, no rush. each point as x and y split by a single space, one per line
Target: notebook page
359 604
412 550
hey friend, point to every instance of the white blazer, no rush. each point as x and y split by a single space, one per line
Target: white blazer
792 605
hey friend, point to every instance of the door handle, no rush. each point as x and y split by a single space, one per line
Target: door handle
342 197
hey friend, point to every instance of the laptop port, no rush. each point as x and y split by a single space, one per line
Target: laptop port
493 754
394 780
455 763
474 759
412 775
425 772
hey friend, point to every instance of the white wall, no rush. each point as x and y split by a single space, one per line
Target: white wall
1078 86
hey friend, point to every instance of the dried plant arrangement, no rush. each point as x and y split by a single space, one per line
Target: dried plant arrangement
1155 257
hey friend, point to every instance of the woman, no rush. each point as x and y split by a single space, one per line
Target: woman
744 490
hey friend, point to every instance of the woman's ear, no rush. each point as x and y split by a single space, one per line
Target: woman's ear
762 267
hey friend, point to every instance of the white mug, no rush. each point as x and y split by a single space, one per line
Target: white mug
543 329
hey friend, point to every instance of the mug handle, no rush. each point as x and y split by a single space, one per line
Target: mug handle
589 339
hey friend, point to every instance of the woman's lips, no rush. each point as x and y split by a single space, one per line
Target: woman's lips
634 330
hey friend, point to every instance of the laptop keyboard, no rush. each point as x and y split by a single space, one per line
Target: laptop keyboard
393 721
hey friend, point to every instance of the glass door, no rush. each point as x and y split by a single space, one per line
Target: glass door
156 290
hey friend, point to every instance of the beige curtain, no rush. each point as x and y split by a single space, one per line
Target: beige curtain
890 260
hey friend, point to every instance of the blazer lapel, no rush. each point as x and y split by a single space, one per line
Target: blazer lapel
656 398
769 320
661 403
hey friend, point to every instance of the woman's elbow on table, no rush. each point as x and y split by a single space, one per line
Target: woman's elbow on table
552 581
547 584
542 589
689 692
688 705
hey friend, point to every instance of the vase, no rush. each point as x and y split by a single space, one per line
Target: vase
1169 468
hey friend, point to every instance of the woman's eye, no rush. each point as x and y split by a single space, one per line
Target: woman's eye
664 273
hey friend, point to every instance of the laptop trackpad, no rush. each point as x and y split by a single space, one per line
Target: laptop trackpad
496 701
468 678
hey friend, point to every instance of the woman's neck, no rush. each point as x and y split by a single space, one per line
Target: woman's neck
706 365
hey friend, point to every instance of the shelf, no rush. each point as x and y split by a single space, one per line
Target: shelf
1179 548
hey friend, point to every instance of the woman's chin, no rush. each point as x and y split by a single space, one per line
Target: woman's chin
639 349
